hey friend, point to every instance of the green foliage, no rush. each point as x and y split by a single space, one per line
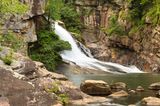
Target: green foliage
1 49
53 9
7 59
62 97
64 11
154 12
11 40
141 9
12 6
47 49
114 27
71 19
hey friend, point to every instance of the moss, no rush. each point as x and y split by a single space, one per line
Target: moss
7 59
11 40
1 49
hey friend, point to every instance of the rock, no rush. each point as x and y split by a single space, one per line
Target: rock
118 86
119 94
132 91
21 93
90 101
43 72
4 101
140 89
131 105
155 86
95 87
28 67
151 101
158 93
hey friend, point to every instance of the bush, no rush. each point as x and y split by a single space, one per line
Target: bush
114 27
47 49
66 12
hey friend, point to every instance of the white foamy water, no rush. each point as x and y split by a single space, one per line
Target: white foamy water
76 56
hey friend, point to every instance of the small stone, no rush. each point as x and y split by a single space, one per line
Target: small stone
140 89
132 91
119 94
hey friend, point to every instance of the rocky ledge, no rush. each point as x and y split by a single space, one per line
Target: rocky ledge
27 83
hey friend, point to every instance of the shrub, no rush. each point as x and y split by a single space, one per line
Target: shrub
114 27
47 49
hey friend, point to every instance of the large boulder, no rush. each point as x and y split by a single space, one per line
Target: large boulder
151 101
155 86
16 92
95 87
119 94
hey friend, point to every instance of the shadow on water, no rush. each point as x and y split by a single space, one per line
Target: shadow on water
132 81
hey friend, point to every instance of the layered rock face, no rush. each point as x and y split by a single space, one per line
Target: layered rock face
26 25
142 50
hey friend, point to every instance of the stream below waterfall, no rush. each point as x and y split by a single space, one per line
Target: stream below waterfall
106 71
132 80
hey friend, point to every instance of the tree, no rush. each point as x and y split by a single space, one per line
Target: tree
53 8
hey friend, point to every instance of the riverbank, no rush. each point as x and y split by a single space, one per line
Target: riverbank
132 82
25 82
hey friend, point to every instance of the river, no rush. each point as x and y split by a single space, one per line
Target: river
131 79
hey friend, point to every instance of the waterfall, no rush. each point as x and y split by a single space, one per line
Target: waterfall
78 57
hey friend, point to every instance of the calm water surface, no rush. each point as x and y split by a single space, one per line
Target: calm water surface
132 81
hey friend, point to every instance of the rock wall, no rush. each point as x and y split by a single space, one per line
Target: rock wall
25 25
142 50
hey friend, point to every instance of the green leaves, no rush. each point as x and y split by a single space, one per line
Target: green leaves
47 49
114 27
53 9
12 6
154 12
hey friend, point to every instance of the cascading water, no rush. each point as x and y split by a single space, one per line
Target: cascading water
76 56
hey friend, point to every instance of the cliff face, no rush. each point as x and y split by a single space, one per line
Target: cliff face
25 25
142 50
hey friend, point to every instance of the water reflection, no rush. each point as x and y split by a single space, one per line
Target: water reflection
132 81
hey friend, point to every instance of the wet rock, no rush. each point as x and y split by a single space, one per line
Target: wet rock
132 91
151 101
118 86
158 93
155 86
90 101
131 105
119 94
95 87
140 89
